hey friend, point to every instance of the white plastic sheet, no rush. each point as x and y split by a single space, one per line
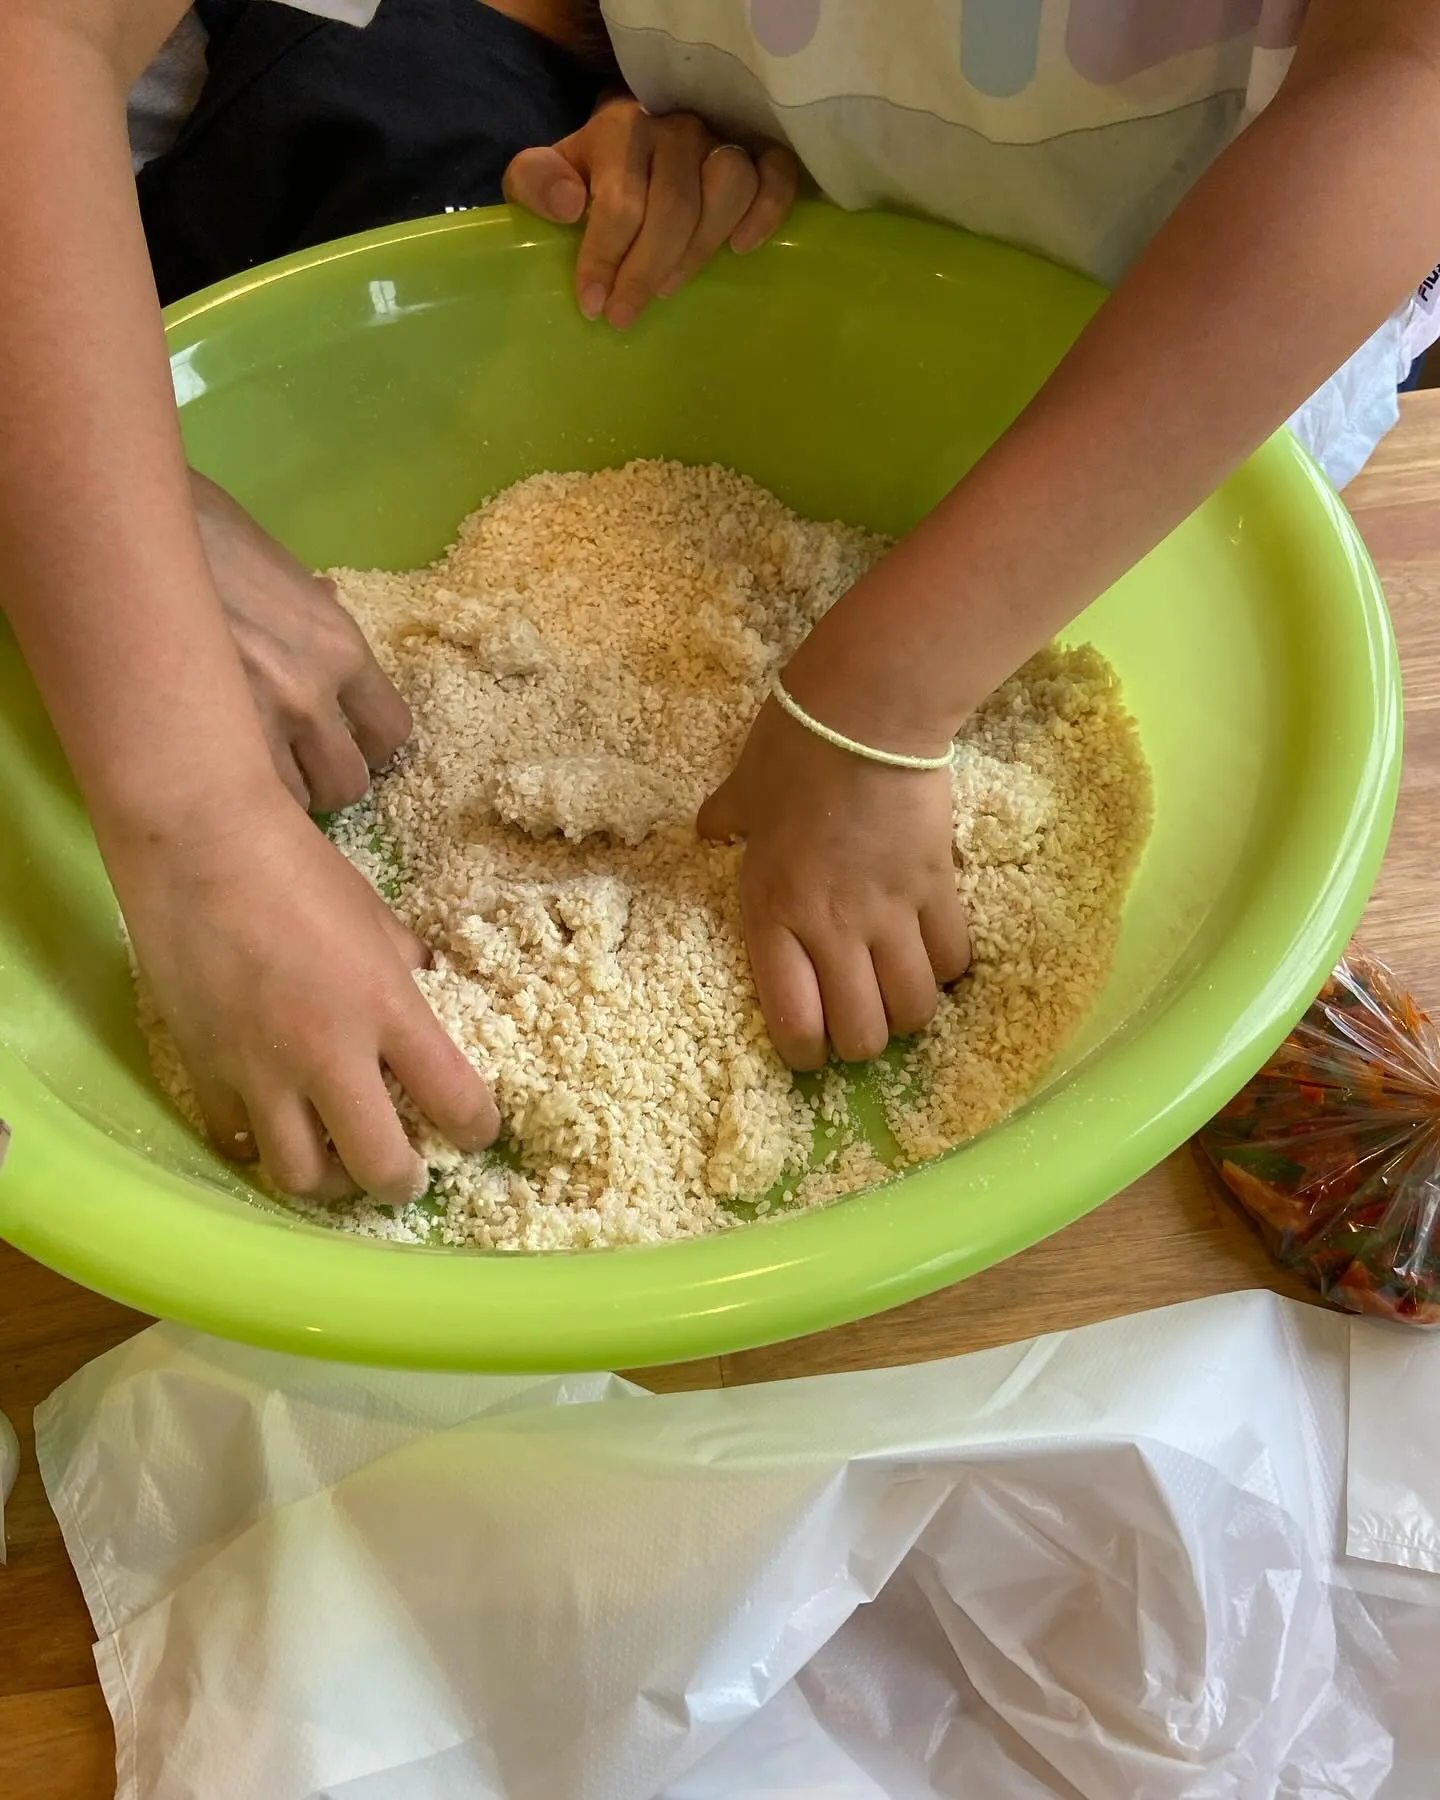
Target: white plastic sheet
1103 1565
1392 1502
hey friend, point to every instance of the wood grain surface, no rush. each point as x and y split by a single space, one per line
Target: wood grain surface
1164 1240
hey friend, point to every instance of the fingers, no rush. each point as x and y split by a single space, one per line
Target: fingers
946 936
778 182
335 772
286 766
719 817
372 1150
378 718
225 1116
545 182
352 1104
672 219
289 1138
368 1136
411 951
619 182
437 1077
292 1149
823 990
789 995
335 746
664 198
905 979
729 184
854 1008
837 994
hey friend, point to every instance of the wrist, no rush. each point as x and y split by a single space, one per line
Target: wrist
928 634
170 815
888 751
861 681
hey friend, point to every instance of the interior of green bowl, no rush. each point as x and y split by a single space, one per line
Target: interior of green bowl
360 400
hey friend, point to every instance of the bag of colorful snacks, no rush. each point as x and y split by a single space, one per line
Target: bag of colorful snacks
1333 1150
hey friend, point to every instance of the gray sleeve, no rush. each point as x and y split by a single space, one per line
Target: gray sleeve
165 95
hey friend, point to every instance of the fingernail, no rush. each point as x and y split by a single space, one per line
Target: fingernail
669 289
622 315
744 242
592 300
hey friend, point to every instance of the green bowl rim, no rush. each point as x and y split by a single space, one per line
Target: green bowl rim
239 1272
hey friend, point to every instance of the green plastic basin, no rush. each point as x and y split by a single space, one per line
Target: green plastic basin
363 397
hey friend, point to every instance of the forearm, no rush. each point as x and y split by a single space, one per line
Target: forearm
1293 249
102 572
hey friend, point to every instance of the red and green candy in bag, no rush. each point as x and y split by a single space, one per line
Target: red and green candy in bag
1333 1150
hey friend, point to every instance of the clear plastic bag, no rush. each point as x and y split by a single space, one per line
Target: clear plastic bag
1333 1150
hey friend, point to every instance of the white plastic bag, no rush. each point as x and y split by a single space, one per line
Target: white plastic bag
1102 1565
1392 1502
1342 423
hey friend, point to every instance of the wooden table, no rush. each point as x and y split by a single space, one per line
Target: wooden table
1163 1240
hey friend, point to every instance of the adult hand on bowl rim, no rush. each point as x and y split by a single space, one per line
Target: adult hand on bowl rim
664 195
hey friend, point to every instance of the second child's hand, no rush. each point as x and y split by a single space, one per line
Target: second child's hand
284 979
1319 214
848 890
285 1044
330 714
288 987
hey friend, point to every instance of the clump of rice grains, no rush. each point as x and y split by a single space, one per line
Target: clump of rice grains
583 665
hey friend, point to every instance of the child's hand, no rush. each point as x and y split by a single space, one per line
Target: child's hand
664 195
848 890
287 985
328 711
